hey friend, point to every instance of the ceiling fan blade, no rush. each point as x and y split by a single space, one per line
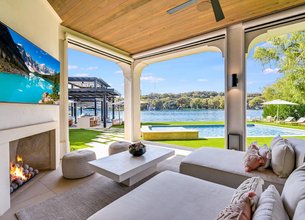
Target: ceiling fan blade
217 10
180 7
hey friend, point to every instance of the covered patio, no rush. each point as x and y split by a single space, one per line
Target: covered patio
91 90
132 34
148 43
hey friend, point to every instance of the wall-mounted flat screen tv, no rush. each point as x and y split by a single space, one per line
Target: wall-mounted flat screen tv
27 73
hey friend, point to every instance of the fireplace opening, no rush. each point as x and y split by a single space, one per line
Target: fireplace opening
29 156
20 173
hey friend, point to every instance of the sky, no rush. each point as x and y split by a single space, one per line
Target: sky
197 72
36 53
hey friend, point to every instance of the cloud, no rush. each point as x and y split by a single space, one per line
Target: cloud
152 79
72 67
118 72
202 80
91 68
271 71
81 74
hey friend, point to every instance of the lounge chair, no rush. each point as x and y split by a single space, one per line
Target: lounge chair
301 121
270 119
289 120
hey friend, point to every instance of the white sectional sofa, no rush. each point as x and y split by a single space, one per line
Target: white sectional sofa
169 195
177 196
226 166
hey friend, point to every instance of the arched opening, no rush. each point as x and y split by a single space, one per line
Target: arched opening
275 81
96 94
181 95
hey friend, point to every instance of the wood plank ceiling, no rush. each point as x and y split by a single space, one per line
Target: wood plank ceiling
139 25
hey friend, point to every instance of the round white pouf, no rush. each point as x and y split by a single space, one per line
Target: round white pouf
118 147
75 164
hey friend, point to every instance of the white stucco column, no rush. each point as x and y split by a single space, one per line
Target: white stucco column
64 102
5 175
235 98
132 113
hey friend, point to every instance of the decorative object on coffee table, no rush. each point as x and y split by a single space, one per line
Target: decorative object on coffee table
75 164
137 149
118 147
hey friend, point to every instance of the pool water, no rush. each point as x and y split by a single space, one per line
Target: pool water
218 130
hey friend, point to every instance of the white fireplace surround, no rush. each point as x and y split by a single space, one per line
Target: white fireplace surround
12 134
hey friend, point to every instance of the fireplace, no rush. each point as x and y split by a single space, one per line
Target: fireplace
37 146
29 155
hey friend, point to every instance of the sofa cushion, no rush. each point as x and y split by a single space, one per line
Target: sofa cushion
283 157
224 167
294 190
299 211
299 149
270 206
169 195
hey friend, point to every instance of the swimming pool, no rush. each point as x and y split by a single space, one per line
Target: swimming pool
253 130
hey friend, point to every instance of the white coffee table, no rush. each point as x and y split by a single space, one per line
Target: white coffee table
127 169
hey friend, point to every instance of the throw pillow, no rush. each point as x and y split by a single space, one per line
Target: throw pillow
299 211
252 159
265 153
283 157
294 190
253 184
239 210
275 140
270 206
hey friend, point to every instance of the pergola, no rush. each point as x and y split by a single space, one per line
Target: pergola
91 89
137 33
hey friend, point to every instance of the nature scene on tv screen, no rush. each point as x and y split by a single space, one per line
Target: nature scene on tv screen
27 73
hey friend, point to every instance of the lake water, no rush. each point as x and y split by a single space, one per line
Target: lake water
25 89
192 115
182 115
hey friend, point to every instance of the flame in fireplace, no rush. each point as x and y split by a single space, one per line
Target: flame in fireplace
19 159
16 170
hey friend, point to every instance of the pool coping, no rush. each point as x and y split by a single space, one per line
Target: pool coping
146 129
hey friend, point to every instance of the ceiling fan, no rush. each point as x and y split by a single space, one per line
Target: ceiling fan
215 5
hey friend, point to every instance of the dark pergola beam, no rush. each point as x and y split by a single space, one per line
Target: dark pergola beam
88 79
113 116
95 108
75 112
105 111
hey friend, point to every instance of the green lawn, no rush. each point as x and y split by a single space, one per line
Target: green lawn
217 142
79 138
296 126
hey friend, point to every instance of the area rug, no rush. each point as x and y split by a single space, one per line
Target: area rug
83 201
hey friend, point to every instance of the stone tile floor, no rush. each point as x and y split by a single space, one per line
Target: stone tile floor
51 183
